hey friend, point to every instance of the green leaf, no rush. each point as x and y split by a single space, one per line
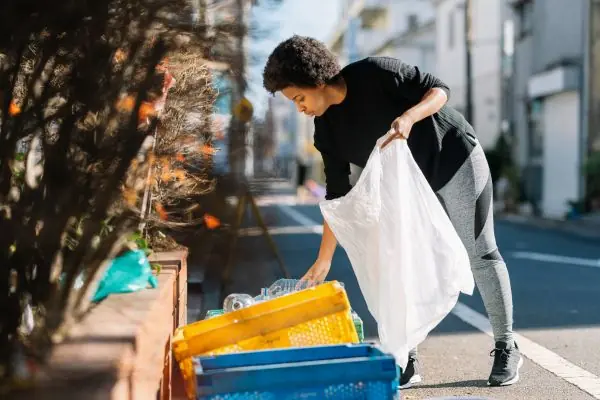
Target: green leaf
135 236
156 267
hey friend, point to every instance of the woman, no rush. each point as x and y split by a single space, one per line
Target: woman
353 107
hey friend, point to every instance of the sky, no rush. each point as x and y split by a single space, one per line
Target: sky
315 18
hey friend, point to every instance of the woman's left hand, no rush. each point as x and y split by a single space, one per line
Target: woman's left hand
400 129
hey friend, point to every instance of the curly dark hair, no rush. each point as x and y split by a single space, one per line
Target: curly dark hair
300 61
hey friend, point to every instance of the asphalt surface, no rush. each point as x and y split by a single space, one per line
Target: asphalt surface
556 290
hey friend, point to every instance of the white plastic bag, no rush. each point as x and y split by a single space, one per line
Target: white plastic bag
407 257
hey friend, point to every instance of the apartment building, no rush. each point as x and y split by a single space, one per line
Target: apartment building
547 94
487 26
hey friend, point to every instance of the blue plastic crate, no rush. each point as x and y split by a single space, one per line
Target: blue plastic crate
340 372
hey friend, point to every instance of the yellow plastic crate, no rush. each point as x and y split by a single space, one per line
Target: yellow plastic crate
311 317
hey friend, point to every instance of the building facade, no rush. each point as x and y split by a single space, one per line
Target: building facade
547 118
487 26
416 46
365 26
282 120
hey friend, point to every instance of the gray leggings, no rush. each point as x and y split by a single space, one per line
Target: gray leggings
468 201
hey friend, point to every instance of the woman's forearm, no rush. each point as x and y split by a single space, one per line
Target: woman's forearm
431 103
328 244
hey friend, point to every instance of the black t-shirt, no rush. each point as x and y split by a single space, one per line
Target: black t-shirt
380 89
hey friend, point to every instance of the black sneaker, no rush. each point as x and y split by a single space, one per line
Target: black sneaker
411 375
507 362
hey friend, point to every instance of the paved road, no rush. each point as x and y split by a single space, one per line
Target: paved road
556 287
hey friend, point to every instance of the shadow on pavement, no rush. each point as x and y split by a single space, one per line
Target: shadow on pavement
458 384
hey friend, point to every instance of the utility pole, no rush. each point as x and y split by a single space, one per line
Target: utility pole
589 16
240 62
237 131
591 90
468 65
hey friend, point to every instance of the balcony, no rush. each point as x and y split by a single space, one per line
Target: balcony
351 10
375 14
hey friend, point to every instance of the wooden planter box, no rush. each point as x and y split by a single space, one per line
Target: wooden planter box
122 349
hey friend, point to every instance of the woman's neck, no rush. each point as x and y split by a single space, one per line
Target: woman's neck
338 91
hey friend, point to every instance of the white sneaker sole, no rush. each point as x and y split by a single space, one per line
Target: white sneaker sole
413 381
513 380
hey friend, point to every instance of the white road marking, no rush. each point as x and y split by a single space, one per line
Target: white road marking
540 355
288 200
299 217
554 258
283 230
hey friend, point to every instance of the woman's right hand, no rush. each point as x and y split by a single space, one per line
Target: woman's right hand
317 273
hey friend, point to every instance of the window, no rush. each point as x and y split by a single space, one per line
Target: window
536 129
413 22
451 29
524 12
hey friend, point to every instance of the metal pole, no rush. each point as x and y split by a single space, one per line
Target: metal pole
587 83
468 65
147 199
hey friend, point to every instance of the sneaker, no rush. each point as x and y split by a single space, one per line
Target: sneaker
410 375
507 362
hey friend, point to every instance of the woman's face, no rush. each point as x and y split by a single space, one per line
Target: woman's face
310 101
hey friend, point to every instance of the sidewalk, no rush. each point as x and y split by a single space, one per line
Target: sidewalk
585 228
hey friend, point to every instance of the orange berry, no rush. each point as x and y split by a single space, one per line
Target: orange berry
211 221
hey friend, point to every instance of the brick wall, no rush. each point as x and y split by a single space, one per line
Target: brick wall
121 350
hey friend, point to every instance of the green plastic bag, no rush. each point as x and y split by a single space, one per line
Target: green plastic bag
127 273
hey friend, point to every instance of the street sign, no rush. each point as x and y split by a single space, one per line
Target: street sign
243 110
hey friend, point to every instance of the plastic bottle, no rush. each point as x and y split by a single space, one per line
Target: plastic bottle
263 296
213 313
237 301
358 324
285 286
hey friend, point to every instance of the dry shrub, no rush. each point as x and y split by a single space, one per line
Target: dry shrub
79 85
